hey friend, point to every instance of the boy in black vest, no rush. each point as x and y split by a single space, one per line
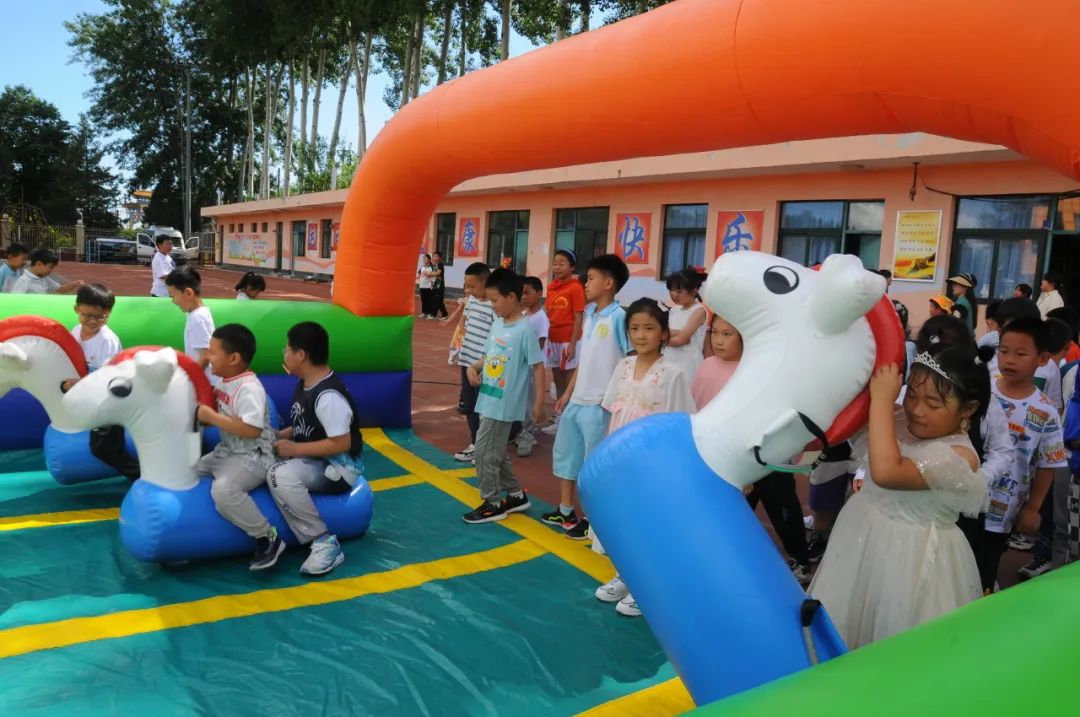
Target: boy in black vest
322 448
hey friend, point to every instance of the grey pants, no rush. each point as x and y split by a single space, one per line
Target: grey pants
291 483
235 476
493 467
1060 495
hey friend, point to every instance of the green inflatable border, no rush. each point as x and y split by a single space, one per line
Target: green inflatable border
357 344
1013 653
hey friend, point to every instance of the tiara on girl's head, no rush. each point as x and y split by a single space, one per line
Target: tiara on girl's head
928 361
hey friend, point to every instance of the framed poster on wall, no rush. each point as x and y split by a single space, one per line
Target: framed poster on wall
312 236
915 249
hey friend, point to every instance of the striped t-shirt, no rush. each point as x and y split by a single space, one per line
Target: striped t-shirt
479 315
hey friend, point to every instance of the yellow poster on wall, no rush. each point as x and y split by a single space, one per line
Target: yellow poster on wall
915 248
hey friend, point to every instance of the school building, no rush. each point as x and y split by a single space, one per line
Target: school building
965 206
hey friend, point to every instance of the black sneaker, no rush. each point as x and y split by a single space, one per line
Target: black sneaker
1034 569
510 504
485 513
267 552
556 517
816 546
579 531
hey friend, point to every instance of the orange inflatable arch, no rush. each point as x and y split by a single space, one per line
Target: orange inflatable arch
697 75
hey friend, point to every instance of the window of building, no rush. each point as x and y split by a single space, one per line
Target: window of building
445 228
299 237
325 239
583 231
266 227
1001 239
811 231
232 228
684 237
508 239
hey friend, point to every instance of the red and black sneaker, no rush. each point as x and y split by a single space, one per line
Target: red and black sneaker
579 531
510 504
485 513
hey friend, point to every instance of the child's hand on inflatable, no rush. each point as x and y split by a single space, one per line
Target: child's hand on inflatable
286 449
205 414
885 384
66 384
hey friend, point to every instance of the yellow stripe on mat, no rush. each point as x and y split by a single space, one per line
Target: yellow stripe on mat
67 517
594 564
666 698
64 633
94 515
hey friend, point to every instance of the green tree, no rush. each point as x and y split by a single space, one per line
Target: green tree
46 163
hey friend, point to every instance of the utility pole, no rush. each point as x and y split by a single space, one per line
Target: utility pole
187 157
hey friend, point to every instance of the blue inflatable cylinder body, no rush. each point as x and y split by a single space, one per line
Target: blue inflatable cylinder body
713 587
162 525
69 460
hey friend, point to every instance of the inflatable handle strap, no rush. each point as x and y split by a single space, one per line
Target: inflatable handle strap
807 612
816 431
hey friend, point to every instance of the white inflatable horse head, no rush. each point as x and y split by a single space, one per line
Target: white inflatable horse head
808 351
37 355
153 393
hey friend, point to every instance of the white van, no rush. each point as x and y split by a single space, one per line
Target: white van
182 251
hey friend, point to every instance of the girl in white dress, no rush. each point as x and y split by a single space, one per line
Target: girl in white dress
686 321
640 386
895 557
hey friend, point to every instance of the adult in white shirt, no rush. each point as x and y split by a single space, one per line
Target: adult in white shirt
1049 296
161 266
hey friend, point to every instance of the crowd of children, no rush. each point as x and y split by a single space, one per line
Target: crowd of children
963 456
969 448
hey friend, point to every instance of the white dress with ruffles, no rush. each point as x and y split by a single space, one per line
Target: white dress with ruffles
895 557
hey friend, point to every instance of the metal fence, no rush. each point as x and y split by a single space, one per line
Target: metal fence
37 236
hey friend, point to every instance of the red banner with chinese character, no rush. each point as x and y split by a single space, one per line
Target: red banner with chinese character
632 237
468 239
739 231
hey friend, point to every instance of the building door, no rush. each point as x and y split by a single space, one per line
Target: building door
298 236
279 240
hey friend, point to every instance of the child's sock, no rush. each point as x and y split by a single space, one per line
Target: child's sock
566 509
518 494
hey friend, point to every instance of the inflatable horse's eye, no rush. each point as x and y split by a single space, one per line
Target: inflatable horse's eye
780 279
120 387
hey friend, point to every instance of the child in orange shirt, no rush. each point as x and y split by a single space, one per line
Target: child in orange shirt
565 308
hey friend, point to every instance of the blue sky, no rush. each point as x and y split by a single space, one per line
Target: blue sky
34 52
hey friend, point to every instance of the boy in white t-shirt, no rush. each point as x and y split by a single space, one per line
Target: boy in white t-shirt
161 265
93 304
531 295
185 289
1016 497
584 422
240 461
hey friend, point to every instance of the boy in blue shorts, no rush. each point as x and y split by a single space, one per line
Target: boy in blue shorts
604 342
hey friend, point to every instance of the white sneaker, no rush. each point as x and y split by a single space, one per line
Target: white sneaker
613 590
466 455
628 607
553 428
325 556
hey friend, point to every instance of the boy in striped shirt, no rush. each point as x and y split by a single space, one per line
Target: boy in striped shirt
476 322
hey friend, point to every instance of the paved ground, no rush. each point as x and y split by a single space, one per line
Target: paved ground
435 383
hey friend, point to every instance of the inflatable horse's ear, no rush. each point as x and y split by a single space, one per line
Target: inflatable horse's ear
13 358
845 294
154 369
